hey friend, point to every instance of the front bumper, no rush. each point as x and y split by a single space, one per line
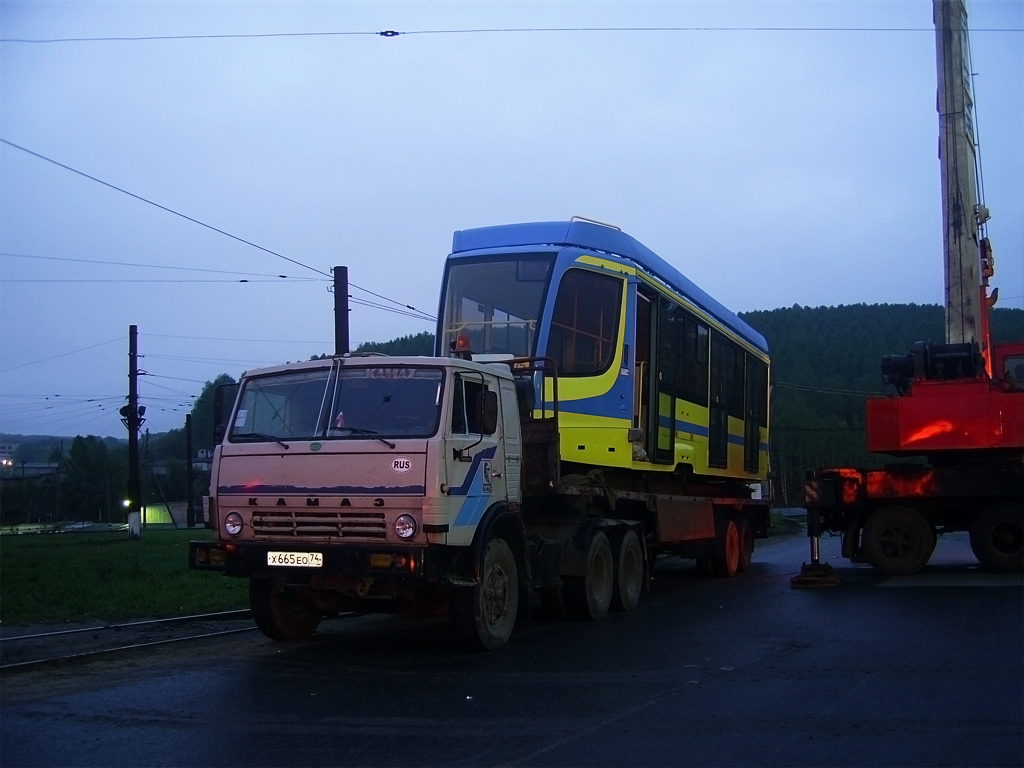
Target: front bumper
250 559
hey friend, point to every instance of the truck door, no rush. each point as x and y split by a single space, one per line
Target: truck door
475 454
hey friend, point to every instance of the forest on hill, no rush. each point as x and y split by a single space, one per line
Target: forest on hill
825 363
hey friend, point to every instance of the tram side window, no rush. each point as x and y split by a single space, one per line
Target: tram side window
682 354
585 323
757 391
727 369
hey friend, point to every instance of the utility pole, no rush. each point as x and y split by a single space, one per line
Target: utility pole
132 418
341 311
190 513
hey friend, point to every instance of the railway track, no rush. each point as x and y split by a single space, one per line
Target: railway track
32 650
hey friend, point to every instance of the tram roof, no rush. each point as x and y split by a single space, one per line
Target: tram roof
598 237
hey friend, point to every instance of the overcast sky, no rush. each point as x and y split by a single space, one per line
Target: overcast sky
771 167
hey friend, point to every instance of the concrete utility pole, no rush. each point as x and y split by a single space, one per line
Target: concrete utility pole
132 418
961 214
341 311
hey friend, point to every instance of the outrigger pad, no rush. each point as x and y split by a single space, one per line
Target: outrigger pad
815 575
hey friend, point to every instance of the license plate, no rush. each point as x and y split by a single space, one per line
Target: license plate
296 559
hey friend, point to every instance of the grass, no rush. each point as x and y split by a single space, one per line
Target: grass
782 525
51 578
56 578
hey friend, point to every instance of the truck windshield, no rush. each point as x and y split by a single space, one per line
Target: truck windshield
343 402
496 302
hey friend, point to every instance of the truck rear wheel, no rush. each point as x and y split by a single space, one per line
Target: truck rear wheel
485 614
726 560
278 612
997 539
629 572
588 598
898 541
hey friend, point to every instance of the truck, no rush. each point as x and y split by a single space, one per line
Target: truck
958 406
469 483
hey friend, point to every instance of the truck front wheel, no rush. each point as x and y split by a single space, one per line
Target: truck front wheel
898 541
278 612
485 614
997 539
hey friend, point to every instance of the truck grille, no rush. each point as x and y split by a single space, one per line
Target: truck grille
299 523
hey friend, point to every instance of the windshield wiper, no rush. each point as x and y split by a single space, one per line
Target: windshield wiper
373 432
277 440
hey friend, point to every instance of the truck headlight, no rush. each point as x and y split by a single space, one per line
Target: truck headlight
233 523
405 526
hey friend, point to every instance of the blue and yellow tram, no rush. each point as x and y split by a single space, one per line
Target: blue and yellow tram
653 373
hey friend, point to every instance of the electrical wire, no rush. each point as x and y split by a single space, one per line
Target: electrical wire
161 207
422 315
479 31
151 266
63 354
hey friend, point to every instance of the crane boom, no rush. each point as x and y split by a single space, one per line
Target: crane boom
962 215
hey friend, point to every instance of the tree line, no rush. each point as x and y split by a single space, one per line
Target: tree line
825 363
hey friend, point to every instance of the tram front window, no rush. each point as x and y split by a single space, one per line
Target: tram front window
496 303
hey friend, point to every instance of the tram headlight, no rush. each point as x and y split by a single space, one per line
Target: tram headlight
233 523
405 526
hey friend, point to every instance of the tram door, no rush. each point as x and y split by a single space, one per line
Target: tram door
656 402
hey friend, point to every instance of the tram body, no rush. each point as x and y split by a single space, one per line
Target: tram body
653 373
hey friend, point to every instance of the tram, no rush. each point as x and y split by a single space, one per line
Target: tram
654 374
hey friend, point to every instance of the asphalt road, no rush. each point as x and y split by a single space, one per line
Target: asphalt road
916 671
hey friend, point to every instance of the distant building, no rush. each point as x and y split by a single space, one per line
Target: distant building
7 454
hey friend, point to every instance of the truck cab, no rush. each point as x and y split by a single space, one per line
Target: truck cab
358 483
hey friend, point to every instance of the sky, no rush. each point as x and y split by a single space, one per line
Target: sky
776 153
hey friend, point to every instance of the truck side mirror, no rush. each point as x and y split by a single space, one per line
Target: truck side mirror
220 398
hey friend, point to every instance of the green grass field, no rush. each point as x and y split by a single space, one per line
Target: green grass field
53 578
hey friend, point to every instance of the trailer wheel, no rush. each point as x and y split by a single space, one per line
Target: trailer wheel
485 614
997 539
746 543
629 572
726 561
898 541
278 612
588 598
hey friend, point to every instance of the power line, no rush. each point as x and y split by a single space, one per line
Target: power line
151 266
202 224
483 31
404 306
63 354
161 207
136 280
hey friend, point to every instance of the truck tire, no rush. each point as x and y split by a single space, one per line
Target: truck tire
746 544
629 572
726 560
278 612
997 539
485 614
588 598
898 541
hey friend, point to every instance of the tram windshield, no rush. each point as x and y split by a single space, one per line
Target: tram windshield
496 303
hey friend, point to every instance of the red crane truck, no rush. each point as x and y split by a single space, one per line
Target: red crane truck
958 407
